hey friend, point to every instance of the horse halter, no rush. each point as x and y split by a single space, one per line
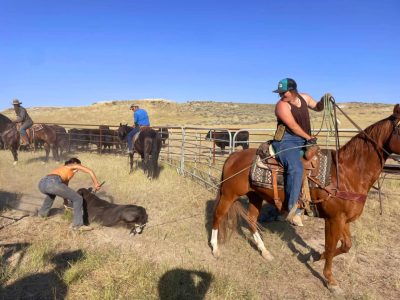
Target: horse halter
396 131
137 229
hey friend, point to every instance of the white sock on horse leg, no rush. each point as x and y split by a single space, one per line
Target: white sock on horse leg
214 238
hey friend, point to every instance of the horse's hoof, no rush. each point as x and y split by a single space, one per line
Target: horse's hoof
15 163
335 289
314 258
267 255
216 253
43 162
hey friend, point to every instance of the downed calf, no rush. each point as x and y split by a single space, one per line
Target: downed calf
109 214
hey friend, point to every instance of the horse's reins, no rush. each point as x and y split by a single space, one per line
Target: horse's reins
361 130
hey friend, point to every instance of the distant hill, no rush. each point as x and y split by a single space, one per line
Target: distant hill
195 113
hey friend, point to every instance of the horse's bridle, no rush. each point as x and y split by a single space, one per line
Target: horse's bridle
396 126
396 130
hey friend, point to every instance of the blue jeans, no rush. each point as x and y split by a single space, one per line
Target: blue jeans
129 137
52 186
25 126
291 147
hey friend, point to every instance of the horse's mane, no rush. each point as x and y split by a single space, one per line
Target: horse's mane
378 131
4 119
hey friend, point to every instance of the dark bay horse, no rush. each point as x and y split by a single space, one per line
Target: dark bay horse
360 162
148 145
7 137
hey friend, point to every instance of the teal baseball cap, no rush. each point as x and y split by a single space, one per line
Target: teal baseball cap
285 85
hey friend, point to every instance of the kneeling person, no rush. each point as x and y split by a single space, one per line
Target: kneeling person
56 184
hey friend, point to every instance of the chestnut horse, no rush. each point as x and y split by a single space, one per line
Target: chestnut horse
148 145
360 162
39 132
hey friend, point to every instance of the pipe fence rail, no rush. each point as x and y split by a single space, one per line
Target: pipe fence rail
198 153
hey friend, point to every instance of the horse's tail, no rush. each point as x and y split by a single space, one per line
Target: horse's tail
155 151
230 221
147 146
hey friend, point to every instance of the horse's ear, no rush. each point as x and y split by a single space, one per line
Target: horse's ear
396 109
120 124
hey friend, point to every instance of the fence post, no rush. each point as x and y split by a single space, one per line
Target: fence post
182 166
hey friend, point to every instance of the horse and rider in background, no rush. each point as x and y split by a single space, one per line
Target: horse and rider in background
22 132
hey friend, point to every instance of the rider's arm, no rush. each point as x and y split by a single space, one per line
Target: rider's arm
88 171
283 112
20 115
135 119
311 103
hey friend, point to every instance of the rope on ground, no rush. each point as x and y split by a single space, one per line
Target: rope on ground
173 221
14 220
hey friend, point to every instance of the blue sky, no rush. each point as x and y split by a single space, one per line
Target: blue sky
70 53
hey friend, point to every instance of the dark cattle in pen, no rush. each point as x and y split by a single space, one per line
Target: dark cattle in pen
221 138
109 214
79 138
101 137
164 134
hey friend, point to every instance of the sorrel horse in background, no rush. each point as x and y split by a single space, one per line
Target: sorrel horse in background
148 145
40 132
360 162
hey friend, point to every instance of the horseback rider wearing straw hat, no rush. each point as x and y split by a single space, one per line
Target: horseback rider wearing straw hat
24 119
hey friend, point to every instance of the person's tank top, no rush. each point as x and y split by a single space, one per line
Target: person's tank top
301 116
64 172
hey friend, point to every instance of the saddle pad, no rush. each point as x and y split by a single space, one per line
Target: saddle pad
37 127
262 177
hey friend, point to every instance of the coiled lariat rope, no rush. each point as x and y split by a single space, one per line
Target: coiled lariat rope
328 117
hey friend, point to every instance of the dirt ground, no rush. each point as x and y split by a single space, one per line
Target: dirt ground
178 233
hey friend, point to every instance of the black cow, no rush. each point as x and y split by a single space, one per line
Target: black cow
164 134
221 138
109 214
79 138
102 137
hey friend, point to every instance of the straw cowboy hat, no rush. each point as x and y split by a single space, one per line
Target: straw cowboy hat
16 102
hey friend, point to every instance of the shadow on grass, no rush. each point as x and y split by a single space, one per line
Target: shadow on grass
6 198
289 235
283 229
184 284
40 159
45 285
9 250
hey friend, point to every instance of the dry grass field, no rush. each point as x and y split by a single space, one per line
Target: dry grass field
44 259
